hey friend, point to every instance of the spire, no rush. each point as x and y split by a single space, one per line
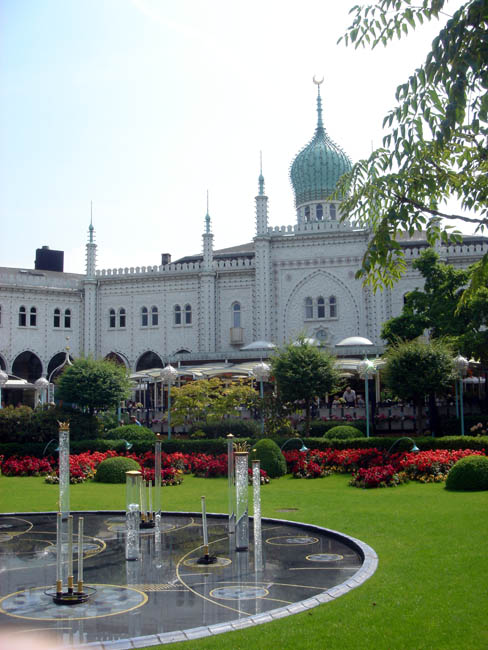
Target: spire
207 219
91 228
91 248
207 243
261 177
320 124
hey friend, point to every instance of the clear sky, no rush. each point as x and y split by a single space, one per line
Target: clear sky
141 106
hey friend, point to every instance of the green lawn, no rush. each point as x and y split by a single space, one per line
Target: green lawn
430 589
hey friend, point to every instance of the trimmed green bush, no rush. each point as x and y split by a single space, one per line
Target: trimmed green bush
272 460
469 473
112 470
219 429
131 433
343 432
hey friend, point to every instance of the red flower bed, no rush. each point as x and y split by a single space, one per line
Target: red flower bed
379 476
27 466
83 466
367 465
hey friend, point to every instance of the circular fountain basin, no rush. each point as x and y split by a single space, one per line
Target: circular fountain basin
166 595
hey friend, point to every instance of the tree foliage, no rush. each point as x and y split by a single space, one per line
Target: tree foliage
438 309
94 384
415 369
435 145
303 372
210 399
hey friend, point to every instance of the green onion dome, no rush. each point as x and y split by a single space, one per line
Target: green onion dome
319 165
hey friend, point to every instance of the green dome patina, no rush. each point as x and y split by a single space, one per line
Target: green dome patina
319 165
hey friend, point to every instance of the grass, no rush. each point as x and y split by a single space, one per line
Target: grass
429 591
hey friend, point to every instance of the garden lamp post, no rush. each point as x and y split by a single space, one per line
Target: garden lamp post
461 364
169 375
302 448
365 369
3 381
414 447
42 385
261 372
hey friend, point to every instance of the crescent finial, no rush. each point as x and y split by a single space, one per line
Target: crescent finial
318 81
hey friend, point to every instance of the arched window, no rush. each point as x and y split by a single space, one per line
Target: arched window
308 308
333 307
236 314
320 212
177 315
122 317
33 317
154 316
307 213
320 307
144 317
67 318
332 210
22 317
57 318
187 314
111 318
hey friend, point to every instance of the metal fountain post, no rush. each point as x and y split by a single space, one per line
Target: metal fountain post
230 483
241 456
258 541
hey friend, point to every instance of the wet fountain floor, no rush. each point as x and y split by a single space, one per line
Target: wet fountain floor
166 595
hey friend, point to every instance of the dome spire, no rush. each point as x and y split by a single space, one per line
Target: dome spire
318 166
320 124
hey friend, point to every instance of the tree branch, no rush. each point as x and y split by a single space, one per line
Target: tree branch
437 213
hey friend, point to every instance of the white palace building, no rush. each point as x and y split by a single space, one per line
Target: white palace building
290 280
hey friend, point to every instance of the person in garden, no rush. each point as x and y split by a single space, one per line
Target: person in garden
349 396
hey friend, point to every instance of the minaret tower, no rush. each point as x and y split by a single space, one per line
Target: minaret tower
207 309
207 243
90 294
261 205
91 249
262 248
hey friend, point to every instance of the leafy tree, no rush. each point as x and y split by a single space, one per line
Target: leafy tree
303 372
439 310
415 369
93 384
435 308
207 399
435 145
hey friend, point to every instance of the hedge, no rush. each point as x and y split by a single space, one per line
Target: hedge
219 445
238 427
22 424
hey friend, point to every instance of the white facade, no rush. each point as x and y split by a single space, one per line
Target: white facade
290 280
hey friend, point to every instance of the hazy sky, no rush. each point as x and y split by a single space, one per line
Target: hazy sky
142 105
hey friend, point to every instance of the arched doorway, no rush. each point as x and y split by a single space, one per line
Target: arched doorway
3 365
149 360
27 366
114 357
55 363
